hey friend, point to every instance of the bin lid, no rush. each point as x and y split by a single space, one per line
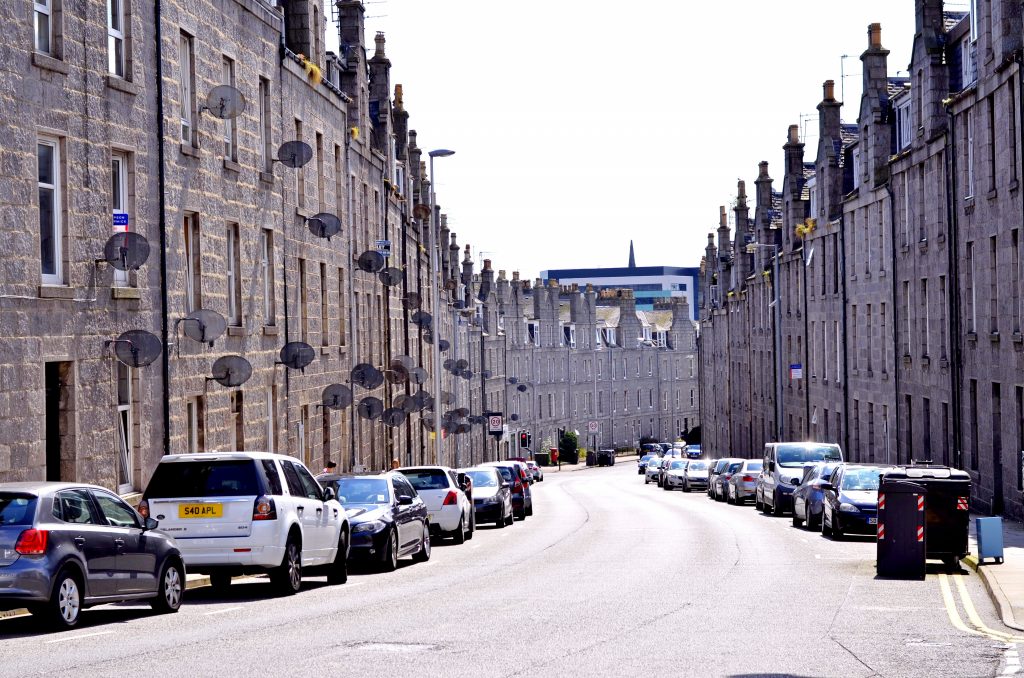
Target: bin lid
926 473
899 485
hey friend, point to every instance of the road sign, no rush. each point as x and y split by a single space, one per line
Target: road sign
120 221
796 371
495 423
592 427
384 247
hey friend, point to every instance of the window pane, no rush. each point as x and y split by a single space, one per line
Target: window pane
114 15
46 169
47 235
117 513
42 32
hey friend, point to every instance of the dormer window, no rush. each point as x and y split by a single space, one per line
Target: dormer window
609 336
533 331
904 124
569 336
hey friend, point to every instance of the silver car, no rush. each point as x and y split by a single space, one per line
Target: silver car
743 484
675 474
653 470
696 477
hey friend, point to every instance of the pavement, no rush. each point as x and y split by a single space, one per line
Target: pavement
1003 581
592 585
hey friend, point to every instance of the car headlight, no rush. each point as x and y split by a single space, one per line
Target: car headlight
368 526
848 508
493 499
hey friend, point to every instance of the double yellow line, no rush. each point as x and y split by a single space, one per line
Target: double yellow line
980 629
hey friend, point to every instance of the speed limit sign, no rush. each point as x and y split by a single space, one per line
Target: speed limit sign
495 423
592 427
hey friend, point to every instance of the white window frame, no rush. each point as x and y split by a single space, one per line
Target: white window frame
925 330
904 124
267 269
186 70
126 443
264 115
969 136
57 225
116 61
270 419
119 201
533 332
190 230
227 78
43 8
192 425
234 257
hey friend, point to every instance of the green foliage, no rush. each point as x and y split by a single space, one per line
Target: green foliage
569 443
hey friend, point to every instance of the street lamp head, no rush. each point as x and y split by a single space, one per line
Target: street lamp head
441 153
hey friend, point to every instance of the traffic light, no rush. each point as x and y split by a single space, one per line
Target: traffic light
524 440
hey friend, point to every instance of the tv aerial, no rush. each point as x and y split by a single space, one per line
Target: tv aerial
367 376
391 276
204 326
324 225
294 154
231 371
136 348
224 102
125 251
370 408
296 355
336 397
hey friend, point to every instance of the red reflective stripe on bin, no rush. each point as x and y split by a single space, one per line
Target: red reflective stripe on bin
920 533
920 502
961 504
881 531
881 502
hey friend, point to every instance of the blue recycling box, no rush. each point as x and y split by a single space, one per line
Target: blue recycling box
990 538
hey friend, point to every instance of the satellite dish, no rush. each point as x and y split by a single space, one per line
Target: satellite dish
418 375
461 363
422 318
336 397
467 374
405 361
204 325
424 401
405 403
137 348
324 225
297 355
294 154
370 408
224 102
461 412
449 364
126 251
397 374
231 370
521 388
447 398
461 428
514 417
450 284
371 261
427 336
391 276
443 345
411 300
513 380
393 417
367 376
486 374
427 421
485 291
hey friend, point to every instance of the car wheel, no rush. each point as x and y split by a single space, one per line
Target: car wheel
172 584
797 522
65 605
220 581
338 572
511 517
459 534
423 555
757 501
502 521
764 506
837 530
647 479
776 505
389 559
529 510
287 577
825 529
729 496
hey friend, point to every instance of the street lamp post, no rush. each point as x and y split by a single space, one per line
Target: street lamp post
435 292
776 284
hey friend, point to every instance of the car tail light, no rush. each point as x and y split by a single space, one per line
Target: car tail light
32 542
264 509
748 479
143 508
450 499
518 487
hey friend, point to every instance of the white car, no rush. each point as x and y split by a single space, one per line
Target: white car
675 474
449 509
244 512
653 470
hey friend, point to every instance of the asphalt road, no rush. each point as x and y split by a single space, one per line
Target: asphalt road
609 578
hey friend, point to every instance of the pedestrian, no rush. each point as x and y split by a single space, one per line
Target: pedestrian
330 467
395 464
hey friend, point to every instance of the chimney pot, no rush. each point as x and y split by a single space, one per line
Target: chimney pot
830 90
723 220
875 36
794 134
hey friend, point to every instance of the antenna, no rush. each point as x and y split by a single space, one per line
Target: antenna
231 370
224 102
136 348
204 326
125 251
324 225
296 355
294 154
336 397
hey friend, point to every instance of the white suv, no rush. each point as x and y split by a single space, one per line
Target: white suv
449 510
243 512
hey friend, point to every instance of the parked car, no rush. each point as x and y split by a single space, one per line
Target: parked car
449 510
720 482
675 474
672 454
65 547
389 519
808 495
522 497
716 467
653 469
850 502
783 469
641 464
537 471
743 483
665 447
492 495
693 451
651 448
245 512
696 477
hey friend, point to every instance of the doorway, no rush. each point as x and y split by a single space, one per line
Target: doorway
60 457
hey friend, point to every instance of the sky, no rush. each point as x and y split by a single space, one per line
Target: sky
579 126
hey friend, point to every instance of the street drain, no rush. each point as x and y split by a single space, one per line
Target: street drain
392 647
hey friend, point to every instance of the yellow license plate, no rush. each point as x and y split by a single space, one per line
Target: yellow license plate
200 510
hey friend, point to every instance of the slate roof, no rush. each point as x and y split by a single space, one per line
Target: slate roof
952 19
805 193
897 86
775 215
848 135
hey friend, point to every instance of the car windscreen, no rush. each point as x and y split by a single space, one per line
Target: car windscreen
697 466
863 479
506 473
483 478
17 509
754 465
654 463
677 464
362 491
205 478
427 479
798 455
647 457
735 466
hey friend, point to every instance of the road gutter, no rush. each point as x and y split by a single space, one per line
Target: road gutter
995 592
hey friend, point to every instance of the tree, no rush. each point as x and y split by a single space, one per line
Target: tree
568 444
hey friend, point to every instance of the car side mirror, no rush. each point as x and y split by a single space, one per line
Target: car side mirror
404 500
150 524
505 483
826 486
329 494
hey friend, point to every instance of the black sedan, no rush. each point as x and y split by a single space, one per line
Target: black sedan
65 547
388 518
850 501
492 495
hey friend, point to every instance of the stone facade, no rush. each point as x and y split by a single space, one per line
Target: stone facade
900 265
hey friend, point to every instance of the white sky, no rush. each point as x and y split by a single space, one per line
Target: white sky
580 125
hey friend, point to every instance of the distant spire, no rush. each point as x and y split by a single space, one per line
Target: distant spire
632 259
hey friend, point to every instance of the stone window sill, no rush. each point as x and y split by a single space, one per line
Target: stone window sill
189 150
122 85
1017 338
302 213
236 331
881 274
56 292
992 194
1014 185
907 360
325 350
925 361
969 205
267 177
943 363
904 248
972 337
49 63
922 244
270 330
232 166
993 337
125 293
